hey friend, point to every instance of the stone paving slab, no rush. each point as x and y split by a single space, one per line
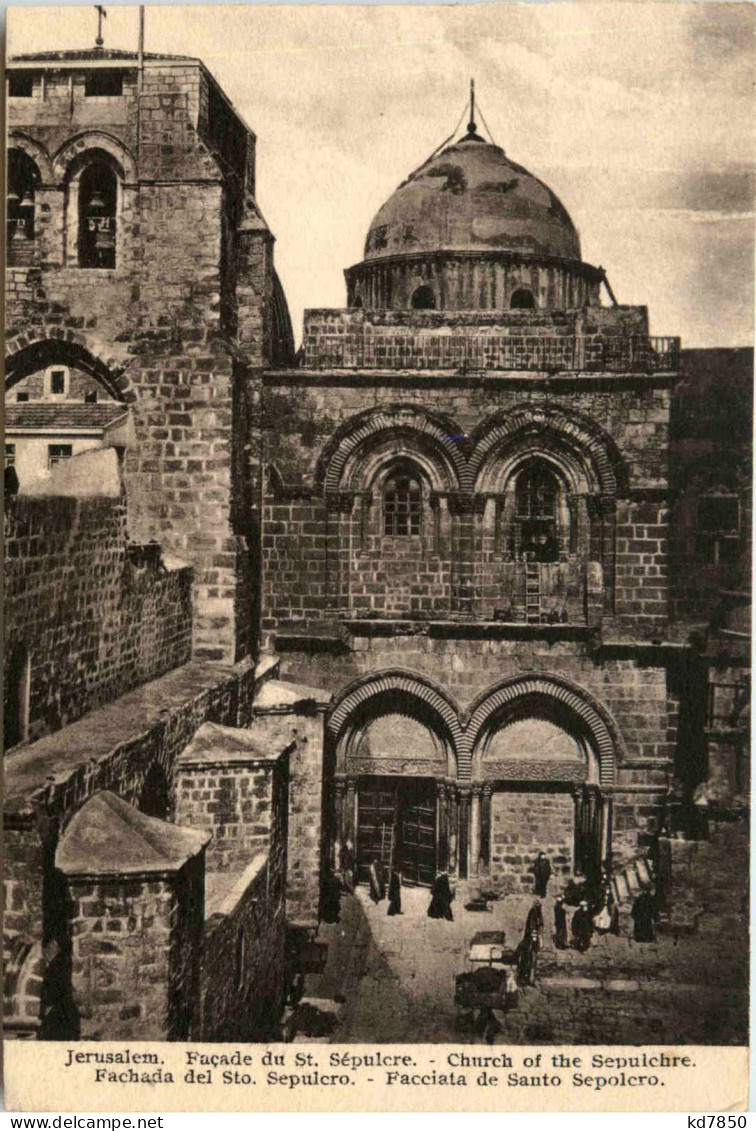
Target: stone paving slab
397 978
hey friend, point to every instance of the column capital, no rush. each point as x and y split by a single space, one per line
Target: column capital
339 502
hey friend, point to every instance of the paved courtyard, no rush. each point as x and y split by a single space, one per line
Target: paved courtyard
392 980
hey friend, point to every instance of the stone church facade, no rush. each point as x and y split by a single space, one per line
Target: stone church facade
429 580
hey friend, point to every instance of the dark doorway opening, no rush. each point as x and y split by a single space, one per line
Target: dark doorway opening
397 825
592 833
16 697
155 798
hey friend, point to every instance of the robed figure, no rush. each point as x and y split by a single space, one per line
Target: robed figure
541 869
441 898
377 882
347 865
582 927
560 923
643 913
534 922
527 959
395 893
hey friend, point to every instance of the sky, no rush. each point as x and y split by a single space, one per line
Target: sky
639 115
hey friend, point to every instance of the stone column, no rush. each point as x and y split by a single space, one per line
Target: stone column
463 848
338 511
608 512
475 829
485 827
453 827
442 822
339 786
606 830
350 816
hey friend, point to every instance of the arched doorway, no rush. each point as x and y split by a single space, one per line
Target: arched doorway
542 756
395 752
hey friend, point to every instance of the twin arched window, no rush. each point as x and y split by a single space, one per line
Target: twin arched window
536 502
93 196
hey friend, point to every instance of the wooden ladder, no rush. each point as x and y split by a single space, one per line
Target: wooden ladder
532 593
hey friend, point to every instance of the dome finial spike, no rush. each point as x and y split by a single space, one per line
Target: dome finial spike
471 127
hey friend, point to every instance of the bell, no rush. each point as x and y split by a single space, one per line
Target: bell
104 240
96 203
13 197
28 201
19 230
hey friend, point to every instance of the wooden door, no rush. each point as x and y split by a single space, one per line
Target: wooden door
417 839
377 818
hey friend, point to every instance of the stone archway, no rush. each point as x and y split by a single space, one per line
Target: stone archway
396 738
541 753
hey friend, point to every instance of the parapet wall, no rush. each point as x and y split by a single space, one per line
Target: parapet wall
596 340
88 615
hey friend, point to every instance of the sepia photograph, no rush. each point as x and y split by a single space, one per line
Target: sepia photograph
377 482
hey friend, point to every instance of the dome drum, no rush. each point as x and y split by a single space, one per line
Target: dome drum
472 281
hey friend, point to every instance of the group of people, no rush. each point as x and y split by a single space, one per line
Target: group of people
597 911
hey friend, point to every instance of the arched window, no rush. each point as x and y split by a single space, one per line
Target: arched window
98 198
522 299
424 298
23 181
402 504
536 498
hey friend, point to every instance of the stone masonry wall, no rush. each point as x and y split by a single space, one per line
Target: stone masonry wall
158 328
524 824
243 958
322 552
96 617
152 727
235 802
135 945
641 696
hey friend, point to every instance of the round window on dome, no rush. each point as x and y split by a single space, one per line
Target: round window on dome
522 299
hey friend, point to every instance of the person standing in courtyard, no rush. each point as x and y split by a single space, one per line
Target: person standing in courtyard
527 959
534 922
541 869
441 898
395 893
560 923
643 917
347 866
377 883
582 927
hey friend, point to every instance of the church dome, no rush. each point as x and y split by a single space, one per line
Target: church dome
471 197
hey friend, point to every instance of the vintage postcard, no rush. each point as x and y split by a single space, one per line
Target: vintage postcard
378 556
